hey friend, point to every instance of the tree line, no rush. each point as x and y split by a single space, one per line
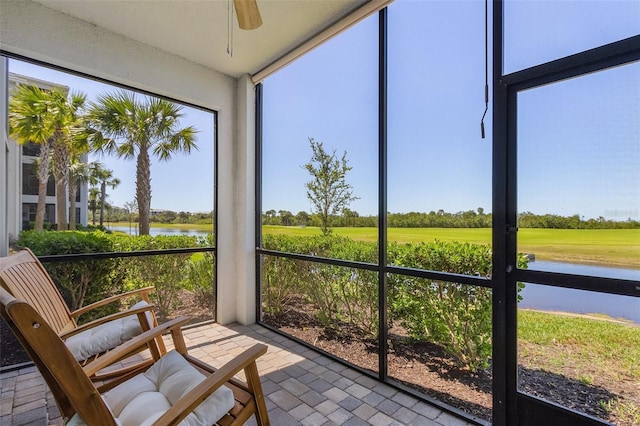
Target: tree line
166 217
441 219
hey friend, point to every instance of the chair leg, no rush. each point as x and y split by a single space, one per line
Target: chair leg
255 387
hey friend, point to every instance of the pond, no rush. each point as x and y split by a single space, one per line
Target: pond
547 298
159 231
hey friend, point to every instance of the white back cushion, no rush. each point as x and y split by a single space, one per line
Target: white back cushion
106 336
143 399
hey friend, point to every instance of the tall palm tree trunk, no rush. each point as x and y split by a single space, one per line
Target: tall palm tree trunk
43 177
143 190
61 173
103 199
73 190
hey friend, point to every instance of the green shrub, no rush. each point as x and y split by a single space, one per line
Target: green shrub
166 272
201 274
82 282
340 295
456 316
452 315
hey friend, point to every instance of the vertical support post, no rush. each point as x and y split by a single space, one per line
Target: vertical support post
382 195
504 189
258 198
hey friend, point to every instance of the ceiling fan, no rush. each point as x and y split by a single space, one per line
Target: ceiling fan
248 14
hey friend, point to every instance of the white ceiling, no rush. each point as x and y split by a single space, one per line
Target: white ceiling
197 30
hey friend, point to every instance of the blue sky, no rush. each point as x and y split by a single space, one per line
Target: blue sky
579 149
579 140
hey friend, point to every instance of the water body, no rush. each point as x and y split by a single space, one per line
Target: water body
547 298
159 231
535 296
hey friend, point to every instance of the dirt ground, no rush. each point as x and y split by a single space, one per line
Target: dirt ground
428 368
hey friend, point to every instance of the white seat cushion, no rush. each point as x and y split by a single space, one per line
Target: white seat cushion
144 398
106 336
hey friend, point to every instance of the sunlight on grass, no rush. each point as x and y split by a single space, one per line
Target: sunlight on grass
593 351
628 412
590 341
607 247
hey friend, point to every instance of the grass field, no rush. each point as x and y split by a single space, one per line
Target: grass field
610 247
607 247
594 352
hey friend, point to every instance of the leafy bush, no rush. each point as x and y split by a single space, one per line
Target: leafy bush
340 295
201 275
453 315
87 281
82 282
166 272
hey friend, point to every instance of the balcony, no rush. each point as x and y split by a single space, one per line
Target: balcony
187 52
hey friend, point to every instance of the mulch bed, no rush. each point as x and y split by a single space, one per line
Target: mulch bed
428 368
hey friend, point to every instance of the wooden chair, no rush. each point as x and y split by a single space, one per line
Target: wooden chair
22 275
176 387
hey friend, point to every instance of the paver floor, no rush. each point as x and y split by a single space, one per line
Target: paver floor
302 387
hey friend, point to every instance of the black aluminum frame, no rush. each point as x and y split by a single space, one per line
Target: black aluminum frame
531 410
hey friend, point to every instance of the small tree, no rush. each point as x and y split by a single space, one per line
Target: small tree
328 191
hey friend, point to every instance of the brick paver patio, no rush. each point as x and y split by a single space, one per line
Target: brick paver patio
302 386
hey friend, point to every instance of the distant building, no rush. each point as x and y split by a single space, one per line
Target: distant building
21 181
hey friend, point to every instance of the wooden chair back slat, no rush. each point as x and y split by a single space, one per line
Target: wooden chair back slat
25 278
75 393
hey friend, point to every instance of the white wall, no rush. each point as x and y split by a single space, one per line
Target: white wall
31 30
244 174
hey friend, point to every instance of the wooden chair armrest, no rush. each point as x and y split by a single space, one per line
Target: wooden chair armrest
133 345
97 322
142 291
195 396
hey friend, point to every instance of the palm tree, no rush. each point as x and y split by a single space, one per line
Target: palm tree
132 207
99 175
106 179
68 123
46 117
79 173
93 203
130 127
29 121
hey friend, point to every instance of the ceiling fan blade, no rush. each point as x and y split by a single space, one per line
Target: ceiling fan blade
248 14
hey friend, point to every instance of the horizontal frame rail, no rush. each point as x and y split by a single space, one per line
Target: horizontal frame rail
399 270
620 287
117 254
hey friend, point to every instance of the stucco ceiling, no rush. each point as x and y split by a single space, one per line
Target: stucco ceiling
197 30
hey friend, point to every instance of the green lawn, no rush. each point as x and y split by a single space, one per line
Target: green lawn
611 247
594 352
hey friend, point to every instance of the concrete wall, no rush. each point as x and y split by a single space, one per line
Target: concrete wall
34 31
